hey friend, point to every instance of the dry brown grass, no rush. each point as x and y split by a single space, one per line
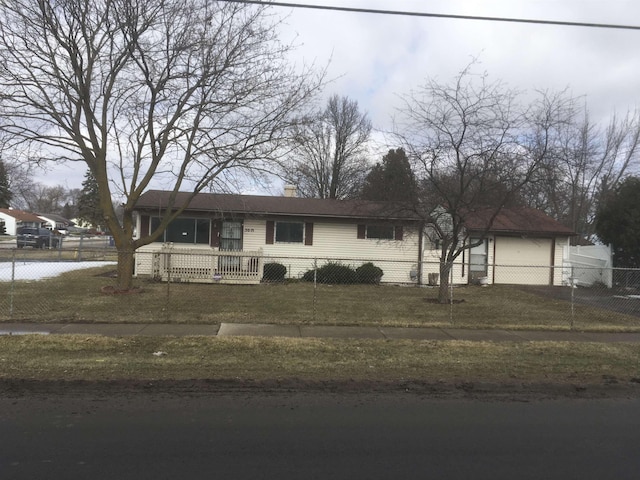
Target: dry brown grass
76 297
103 358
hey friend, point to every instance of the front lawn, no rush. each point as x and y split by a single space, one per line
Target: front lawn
76 297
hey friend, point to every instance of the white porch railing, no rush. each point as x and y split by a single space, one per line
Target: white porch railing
179 264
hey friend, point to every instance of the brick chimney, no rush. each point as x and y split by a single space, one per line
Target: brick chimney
290 191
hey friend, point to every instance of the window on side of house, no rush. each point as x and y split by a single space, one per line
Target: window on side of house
381 232
184 230
289 232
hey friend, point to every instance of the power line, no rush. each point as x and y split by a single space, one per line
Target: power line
438 15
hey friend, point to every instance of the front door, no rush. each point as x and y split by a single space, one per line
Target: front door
478 259
230 240
231 236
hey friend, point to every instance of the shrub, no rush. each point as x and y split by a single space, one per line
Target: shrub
274 272
369 273
333 273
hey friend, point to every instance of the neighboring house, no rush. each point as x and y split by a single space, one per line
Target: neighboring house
55 222
279 228
296 231
14 219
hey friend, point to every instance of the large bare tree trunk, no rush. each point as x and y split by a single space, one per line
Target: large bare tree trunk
125 270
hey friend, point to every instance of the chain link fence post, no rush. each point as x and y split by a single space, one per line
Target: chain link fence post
79 251
451 295
572 287
168 299
13 283
315 286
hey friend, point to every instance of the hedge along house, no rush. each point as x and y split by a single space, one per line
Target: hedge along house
228 238
522 246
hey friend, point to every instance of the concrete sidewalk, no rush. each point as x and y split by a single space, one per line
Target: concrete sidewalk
315 331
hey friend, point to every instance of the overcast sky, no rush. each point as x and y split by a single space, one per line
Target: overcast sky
374 58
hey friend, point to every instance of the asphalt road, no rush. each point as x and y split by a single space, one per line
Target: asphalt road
249 435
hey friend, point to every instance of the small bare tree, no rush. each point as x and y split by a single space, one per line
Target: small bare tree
172 92
328 154
473 148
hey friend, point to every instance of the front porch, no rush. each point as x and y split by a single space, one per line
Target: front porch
200 265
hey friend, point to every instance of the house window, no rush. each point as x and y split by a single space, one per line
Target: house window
184 230
289 232
380 232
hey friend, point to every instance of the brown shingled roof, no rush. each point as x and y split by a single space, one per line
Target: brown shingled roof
21 215
269 205
521 220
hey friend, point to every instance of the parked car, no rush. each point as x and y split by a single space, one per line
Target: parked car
37 238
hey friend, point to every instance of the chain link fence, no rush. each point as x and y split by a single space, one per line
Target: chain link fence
67 285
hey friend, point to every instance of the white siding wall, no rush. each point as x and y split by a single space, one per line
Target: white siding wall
340 242
9 224
331 240
431 264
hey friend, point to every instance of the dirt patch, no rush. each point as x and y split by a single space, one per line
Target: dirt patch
435 301
447 390
111 290
109 274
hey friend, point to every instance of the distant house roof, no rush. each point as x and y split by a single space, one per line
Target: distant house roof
55 217
21 215
520 220
271 205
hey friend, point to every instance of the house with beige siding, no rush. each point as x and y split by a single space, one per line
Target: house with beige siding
228 239
300 233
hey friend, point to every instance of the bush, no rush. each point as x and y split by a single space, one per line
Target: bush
274 272
369 273
333 273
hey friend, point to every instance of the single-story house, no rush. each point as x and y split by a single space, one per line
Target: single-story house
14 219
298 231
289 230
55 222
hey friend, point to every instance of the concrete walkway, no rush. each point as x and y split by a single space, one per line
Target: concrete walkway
314 331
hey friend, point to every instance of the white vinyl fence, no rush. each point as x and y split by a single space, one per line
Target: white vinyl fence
590 265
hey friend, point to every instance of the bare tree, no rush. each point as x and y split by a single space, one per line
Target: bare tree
176 92
585 162
45 199
328 157
473 149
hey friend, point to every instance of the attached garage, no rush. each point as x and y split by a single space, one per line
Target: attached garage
523 261
525 246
